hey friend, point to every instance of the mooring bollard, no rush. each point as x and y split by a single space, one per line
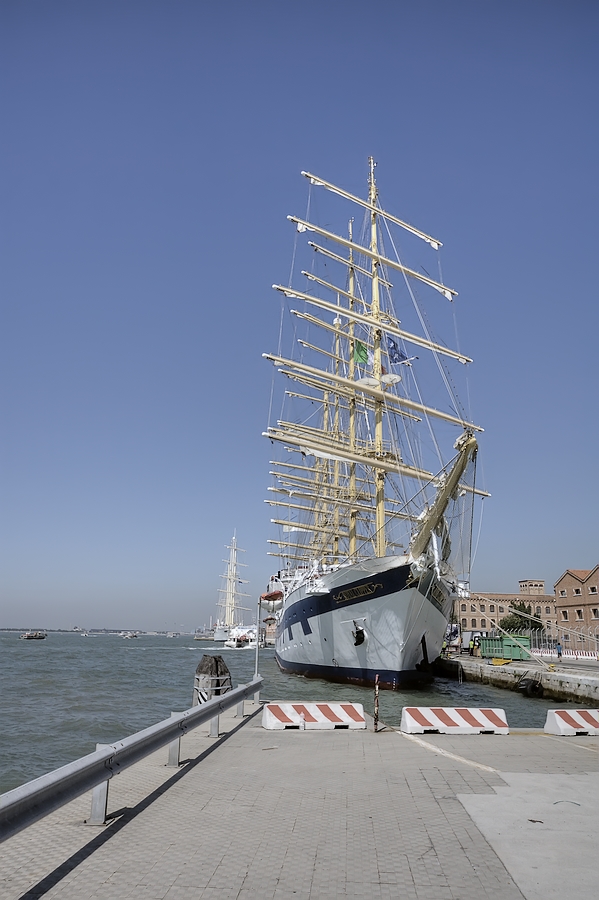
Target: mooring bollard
174 749
214 727
99 800
240 710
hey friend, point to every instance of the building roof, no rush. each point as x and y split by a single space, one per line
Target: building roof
580 574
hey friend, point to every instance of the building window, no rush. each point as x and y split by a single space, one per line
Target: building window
491 607
482 607
562 593
501 609
483 623
566 637
463 607
537 610
579 614
464 623
492 623
473 623
593 589
472 607
564 615
595 612
547 610
577 592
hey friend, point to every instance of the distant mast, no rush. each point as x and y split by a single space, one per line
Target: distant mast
232 579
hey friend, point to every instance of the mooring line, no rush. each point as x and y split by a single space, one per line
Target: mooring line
462 759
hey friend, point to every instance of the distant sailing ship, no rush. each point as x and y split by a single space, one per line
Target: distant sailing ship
375 517
231 625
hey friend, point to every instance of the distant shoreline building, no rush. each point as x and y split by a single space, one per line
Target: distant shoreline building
570 614
482 611
577 600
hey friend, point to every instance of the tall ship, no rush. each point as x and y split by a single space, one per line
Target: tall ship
373 481
230 623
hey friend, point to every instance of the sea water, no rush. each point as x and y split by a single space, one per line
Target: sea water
61 696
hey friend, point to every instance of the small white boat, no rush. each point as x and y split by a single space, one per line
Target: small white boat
241 637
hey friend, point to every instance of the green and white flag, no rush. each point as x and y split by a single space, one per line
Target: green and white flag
360 352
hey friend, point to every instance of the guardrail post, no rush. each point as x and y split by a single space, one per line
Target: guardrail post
214 727
99 800
174 749
240 710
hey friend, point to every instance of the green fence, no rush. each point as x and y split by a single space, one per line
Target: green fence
505 647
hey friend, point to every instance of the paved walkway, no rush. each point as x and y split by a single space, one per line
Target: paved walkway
292 814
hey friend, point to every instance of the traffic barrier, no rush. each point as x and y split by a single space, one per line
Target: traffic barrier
317 716
453 720
567 654
572 721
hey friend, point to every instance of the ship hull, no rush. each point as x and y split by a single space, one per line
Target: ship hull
403 617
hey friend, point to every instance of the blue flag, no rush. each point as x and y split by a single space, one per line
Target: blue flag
395 354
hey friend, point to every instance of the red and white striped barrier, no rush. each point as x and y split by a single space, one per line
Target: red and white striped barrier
318 716
567 654
453 720
572 721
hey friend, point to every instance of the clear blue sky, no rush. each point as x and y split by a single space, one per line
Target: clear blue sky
150 153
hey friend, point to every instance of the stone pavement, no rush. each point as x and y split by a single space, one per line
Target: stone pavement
267 814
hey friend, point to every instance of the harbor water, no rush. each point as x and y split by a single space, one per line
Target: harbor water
61 696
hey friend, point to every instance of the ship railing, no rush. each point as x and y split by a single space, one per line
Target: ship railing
34 800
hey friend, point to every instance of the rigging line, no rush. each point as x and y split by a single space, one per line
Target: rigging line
280 339
467 373
274 372
480 525
457 405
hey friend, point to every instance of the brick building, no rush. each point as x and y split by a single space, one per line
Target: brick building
577 601
482 611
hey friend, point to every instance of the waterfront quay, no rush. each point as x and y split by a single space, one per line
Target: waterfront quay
324 814
573 681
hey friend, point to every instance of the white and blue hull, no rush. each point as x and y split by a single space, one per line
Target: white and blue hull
404 619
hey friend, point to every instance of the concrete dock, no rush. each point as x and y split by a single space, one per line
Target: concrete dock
571 680
324 814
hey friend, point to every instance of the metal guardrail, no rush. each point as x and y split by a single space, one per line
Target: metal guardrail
32 801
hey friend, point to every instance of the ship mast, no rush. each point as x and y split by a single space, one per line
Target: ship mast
343 487
375 311
232 579
353 513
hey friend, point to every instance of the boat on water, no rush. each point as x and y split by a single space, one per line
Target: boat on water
207 634
230 626
373 486
241 637
33 636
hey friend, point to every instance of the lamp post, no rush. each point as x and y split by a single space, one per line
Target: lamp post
257 662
